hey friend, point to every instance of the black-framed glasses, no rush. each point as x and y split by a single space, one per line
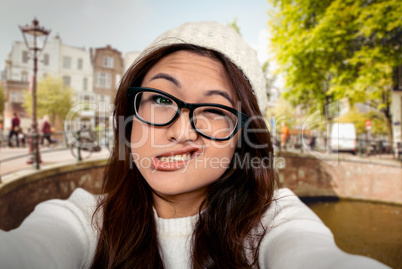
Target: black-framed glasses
158 108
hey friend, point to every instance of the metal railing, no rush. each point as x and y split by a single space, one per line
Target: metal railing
363 147
81 146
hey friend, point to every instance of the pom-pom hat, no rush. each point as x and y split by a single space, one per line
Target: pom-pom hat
223 39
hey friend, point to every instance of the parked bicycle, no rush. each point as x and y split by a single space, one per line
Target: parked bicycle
83 144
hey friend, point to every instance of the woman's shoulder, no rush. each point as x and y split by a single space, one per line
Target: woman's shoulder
79 203
83 199
285 198
74 213
56 225
288 211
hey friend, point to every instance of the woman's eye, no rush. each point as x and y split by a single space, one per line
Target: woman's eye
162 100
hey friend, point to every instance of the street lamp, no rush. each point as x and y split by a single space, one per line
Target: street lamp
35 31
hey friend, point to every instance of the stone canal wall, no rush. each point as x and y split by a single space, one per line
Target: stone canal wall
344 177
19 196
306 175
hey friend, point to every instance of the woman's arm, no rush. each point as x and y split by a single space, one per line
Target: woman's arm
57 234
297 238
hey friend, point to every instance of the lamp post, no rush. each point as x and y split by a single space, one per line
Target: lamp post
35 31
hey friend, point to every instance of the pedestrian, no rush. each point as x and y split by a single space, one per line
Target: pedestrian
185 113
285 135
46 131
14 130
312 141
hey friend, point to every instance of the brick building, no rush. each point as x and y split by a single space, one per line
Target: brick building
108 68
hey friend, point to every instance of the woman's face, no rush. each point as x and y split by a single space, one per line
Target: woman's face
175 160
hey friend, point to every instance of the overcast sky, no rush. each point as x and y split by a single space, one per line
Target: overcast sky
127 25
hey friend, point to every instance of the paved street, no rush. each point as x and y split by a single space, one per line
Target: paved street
15 159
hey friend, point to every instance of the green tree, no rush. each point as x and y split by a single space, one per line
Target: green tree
54 99
284 112
378 123
331 49
355 117
270 78
234 25
378 126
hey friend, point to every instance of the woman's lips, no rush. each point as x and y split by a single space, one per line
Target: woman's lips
176 160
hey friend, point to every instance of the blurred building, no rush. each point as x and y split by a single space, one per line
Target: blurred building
72 64
108 69
91 74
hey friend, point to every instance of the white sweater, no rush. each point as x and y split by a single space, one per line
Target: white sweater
59 234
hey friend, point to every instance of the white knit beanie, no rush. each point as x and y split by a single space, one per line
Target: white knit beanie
223 39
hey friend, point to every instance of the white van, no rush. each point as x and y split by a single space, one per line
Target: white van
343 137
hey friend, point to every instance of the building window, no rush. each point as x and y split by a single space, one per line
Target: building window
66 62
85 84
104 99
25 56
80 64
24 76
16 97
67 80
108 62
107 100
86 98
103 80
20 97
46 59
13 97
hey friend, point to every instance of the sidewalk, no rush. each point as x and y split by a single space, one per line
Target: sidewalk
14 160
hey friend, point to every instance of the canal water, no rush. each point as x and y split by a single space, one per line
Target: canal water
365 228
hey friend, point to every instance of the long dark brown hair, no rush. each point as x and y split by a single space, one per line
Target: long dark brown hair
232 210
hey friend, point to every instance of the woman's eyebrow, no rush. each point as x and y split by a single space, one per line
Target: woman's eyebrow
221 93
167 77
177 84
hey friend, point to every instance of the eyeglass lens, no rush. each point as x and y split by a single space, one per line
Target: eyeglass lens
159 109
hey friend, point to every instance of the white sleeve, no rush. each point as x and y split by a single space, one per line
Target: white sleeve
297 238
57 234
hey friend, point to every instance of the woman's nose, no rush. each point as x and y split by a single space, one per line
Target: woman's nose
181 130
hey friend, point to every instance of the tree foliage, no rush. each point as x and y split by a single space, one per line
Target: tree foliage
331 49
234 25
270 78
283 112
54 99
377 120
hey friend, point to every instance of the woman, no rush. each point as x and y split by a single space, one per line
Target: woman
190 183
46 130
